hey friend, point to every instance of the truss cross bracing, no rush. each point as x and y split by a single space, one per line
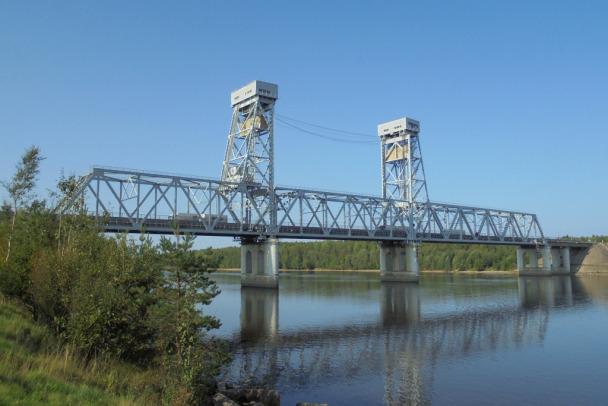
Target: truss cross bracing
249 152
141 201
246 204
402 169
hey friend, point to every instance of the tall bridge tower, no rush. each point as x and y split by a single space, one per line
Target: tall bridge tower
403 180
249 165
250 151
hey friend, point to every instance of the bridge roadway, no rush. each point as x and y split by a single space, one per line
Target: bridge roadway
134 201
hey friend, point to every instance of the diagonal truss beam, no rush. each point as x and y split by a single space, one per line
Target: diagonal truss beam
157 202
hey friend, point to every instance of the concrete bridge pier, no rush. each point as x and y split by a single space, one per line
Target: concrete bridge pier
399 262
260 263
535 261
560 261
543 261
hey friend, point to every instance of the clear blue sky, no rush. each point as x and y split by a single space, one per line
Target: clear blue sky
512 96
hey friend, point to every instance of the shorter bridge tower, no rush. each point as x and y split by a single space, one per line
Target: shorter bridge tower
403 180
402 169
249 164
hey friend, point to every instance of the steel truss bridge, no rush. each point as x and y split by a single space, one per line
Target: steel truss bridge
246 204
133 201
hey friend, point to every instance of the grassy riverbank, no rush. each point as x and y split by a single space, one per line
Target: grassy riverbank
36 369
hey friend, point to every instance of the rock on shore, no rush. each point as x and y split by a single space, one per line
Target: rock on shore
246 397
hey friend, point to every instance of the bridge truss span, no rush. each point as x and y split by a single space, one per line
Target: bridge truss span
329 215
137 201
247 205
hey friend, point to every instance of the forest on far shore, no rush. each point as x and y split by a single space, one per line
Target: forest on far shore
358 255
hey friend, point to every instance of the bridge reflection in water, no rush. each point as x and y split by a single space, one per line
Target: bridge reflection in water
402 349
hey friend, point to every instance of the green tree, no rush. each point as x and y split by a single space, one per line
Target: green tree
189 356
110 297
21 186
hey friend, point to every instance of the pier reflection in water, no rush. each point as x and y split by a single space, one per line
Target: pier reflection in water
259 314
345 352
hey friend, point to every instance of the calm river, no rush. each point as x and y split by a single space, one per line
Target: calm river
347 339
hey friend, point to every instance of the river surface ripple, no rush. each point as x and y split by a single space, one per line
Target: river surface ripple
348 339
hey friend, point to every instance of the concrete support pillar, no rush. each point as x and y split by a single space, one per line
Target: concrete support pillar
560 260
528 263
545 256
399 262
556 259
566 257
260 263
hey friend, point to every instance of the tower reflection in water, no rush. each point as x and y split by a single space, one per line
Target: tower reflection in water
400 352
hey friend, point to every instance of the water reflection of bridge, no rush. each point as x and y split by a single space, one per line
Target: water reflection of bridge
403 348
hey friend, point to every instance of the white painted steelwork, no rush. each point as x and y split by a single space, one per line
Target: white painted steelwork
249 153
135 201
402 169
247 205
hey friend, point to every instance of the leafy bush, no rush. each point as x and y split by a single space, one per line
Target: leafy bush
112 297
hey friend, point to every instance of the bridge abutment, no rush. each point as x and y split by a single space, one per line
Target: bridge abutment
399 262
260 263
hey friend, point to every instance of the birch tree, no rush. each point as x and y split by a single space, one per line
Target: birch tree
21 187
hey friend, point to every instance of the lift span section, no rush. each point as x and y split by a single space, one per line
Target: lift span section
156 203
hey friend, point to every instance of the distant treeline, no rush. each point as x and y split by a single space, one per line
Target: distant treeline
358 255
593 238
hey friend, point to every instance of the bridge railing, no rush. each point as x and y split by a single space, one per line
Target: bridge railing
134 201
320 214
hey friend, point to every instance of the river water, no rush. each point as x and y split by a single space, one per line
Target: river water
345 338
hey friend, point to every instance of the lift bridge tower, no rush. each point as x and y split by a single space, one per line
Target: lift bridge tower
249 164
249 153
403 180
402 169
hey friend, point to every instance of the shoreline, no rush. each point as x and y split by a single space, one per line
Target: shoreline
317 270
466 272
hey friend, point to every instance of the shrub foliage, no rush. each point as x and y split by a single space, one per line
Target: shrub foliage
110 296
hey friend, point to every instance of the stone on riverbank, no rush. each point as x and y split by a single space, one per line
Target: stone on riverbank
311 404
219 399
262 396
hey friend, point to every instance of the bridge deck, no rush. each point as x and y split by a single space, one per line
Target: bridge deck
237 230
133 201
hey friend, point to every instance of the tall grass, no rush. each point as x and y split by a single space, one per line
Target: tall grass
36 369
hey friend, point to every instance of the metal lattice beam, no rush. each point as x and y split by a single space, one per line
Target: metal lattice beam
134 201
246 204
